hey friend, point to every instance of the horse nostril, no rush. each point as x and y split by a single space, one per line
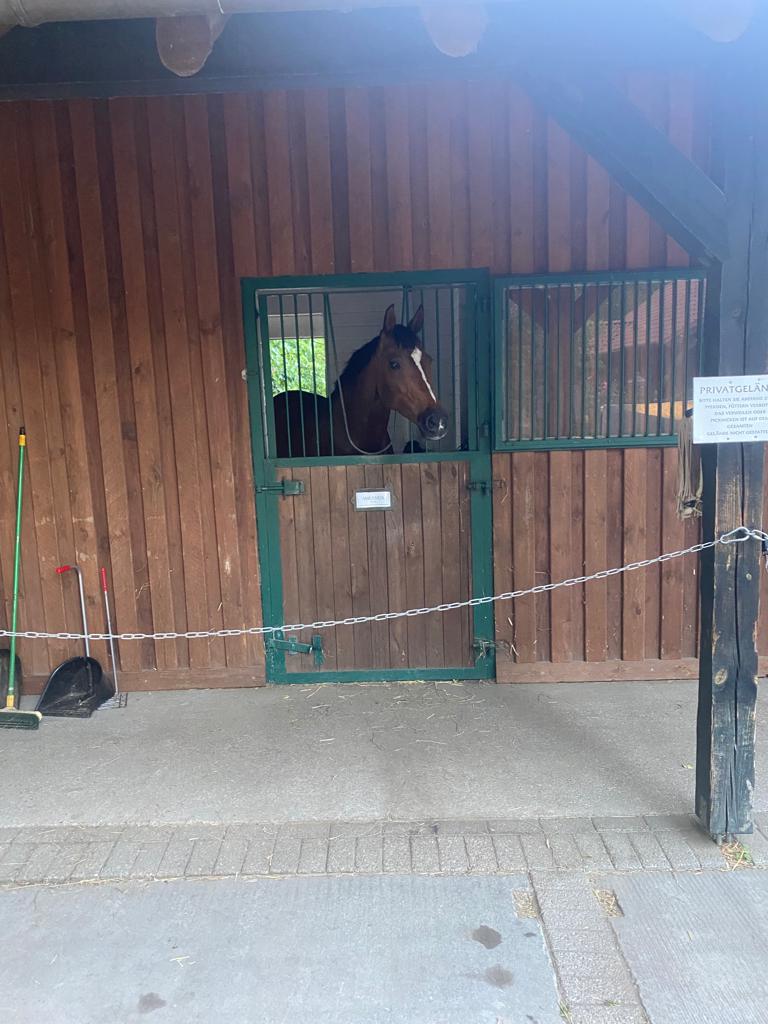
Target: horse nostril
435 424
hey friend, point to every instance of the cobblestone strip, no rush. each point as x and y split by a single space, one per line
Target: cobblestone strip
594 980
507 846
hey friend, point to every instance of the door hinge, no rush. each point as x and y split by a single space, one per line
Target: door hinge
288 488
293 646
484 486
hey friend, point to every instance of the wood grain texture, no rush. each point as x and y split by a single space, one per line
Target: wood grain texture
125 226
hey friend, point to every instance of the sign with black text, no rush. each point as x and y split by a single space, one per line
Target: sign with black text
730 409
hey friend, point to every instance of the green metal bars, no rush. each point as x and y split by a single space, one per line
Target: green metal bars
308 333
595 360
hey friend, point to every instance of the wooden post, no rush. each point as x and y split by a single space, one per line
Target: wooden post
737 343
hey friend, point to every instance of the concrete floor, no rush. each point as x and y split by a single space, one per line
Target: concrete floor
394 751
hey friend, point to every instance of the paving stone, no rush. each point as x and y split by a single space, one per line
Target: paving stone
285 856
355 829
410 828
93 859
761 821
621 851
35 869
679 854
305 830
593 851
66 860
452 854
571 891
14 859
481 854
757 845
594 979
259 854
669 822
231 856
424 856
607 1015
251 832
150 858
552 826
7 835
203 859
514 826
538 853
93 833
707 851
120 861
509 853
621 824
148 833
176 856
650 852
341 854
41 834
565 851
461 828
397 854
369 854
313 857
565 936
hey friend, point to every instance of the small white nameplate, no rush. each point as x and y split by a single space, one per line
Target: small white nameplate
727 409
373 499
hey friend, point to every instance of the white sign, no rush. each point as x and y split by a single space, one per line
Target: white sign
373 499
730 409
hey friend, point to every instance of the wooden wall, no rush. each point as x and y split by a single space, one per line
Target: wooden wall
125 226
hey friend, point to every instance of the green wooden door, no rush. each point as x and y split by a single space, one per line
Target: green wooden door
329 549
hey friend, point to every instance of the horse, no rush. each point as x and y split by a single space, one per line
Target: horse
390 372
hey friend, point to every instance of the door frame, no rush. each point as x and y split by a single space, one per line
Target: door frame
265 469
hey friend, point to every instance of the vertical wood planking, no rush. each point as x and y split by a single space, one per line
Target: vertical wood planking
524 540
215 370
359 571
595 554
340 511
505 516
414 561
323 559
358 126
452 541
521 186
399 655
377 570
560 548
635 477
317 126
480 176
438 177
672 539
396 128
433 561
304 547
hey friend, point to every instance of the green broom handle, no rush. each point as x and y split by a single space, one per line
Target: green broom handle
10 701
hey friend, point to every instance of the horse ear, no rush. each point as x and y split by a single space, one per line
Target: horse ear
417 321
389 320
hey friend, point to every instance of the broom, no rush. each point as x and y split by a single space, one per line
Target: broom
11 716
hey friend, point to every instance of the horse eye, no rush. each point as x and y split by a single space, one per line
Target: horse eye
393 364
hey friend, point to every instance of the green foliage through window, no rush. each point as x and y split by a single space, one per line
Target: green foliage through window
298 364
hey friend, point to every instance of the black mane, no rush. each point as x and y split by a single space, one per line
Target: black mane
360 358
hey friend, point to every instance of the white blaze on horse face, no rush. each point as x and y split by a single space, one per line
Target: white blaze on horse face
416 357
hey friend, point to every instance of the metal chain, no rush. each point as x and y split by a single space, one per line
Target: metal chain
736 536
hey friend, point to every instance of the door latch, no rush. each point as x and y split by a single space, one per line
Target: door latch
484 486
288 488
293 646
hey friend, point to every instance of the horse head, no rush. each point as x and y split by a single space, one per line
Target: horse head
404 375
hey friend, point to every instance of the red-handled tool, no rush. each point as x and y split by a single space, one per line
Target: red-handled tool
108 615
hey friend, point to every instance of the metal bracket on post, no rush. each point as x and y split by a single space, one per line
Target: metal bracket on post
293 646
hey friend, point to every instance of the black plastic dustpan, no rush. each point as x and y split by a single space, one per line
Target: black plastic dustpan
78 686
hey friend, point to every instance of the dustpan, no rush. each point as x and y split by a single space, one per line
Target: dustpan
77 687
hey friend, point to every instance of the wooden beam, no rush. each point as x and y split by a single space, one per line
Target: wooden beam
736 343
674 191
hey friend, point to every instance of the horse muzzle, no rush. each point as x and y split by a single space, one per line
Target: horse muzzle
434 424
